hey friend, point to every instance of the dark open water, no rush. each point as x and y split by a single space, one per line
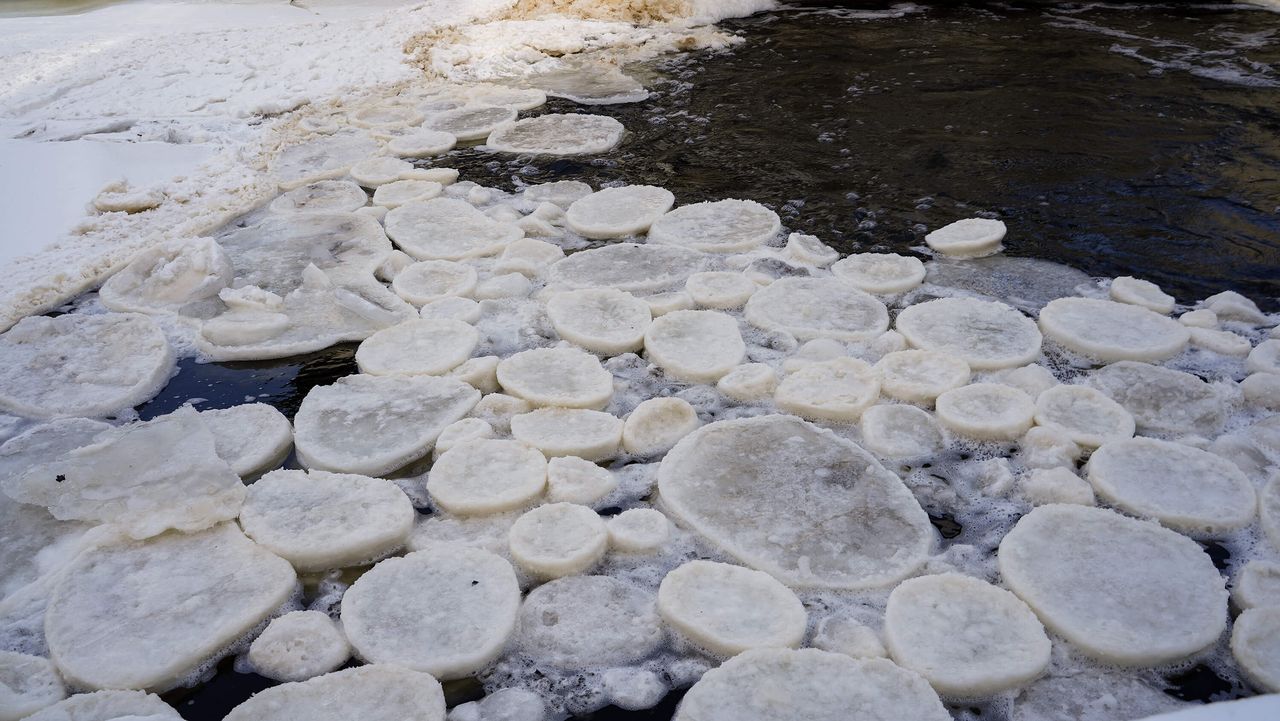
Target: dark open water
1119 139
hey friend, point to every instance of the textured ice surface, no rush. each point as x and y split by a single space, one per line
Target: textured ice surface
1255 644
167 276
558 539
593 435
722 226
721 290
484 476
321 158
1136 291
749 382
400 192
900 431
817 308
417 347
1124 591
371 693
1257 584
1108 331
728 609
968 238
81 365
251 438
170 602
920 376
1269 510
838 390
379 171
796 501
655 425
1163 401
27 684
627 266
586 621
431 280
572 134
422 143
618 212
298 646
447 229
446 611
562 377
985 334
987 411
325 196
638 530
471 123
1085 415
576 480
376 424
696 346
602 320
108 706
880 273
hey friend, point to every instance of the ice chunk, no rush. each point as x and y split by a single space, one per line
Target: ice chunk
1262 389
728 609
655 425
464 430
839 390
900 431
170 603
722 226
432 280
481 373
985 334
1265 358
375 424
1136 291
1257 584
1108 331
552 134
562 193
558 539
796 501
563 377
273 253
696 346
720 289
385 117
618 212
639 530
627 266
473 122
167 276
602 320
1269 510
880 273
505 704
322 158
485 476
968 238
920 376
1032 379
1123 591
81 365
840 634
1049 448
108 706
749 382
507 285
576 480
251 438
1203 318
146 477
422 143
1255 644
447 229
452 308
298 646
1085 415
587 621
663 303
325 196
379 171
400 192
1043 486
446 611
417 347
1233 306
118 197
1001 645
1223 342
370 693
528 257
1184 488
1162 401
809 250
988 411
593 435
319 521
774 684
27 684
817 308
487 533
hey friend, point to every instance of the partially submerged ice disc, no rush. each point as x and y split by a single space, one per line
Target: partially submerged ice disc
985 334
447 229
1123 591
810 308
299 645
794 500
27 684
81 365
722 226
1163 401
558 539
920 376
618 212
627 266
370 693
1085 415
251 437
1108 331
143 614
573 134
583 621
838 390
728 609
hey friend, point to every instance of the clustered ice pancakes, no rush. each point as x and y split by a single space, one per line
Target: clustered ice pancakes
776 425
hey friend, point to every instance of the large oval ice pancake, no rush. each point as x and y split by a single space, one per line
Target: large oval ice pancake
796 501
1108 331
369 693
817 308
628 266
985 334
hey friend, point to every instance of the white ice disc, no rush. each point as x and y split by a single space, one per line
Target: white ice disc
985 334
722 226
484 476
696 346
1108 331
369 693
592 435
968 238
880 273
987 411
810 308
552 134
417 347
627 266
558 539
1085 415
838 390
728 609
602 320
447 229
618 212
560 377
920 376
474 122
431 280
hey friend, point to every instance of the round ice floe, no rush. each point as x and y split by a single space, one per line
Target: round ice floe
27 684
167 276
318 521
171 602
375 172
471 123
796 501
483 476
370 693
562 193
325 196
430 280
574 134
1184 488
657 424
108 706
529 257
507 285
585 621
452 308
558 539
1257 584
447 611
965 636
505 704
1108 331
639 530
900 431
400 192
1255 644
728 609
920 376
422 143
1124 591
562 377
777 684
627 266
722 226
1032 379
720 289
321 158
619 212
880 273
518 98
748 382
1162 401
1265 357
375 424
1086 416
809 250
1203 318
839 389
842 634
1135 291
603 320
987 411
592 435
697 346
985 334
480 372
467 429
417 347
1223 342
1043 486
251 438
968 238
81 365
817 308
447 229
384 117
576 480
298 646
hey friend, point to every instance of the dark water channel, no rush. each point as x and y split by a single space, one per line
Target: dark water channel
1119 139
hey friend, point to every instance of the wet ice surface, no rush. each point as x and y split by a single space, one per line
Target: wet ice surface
682 140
